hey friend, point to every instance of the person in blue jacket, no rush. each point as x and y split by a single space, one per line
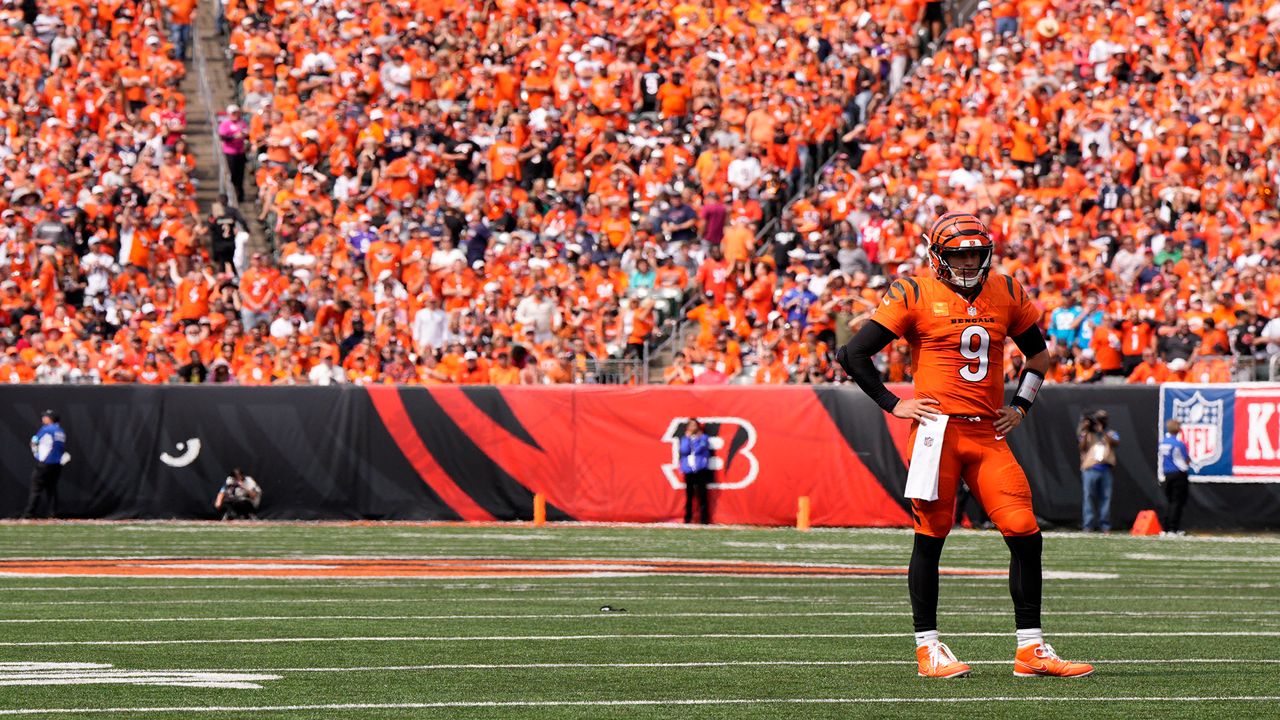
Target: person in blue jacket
695 465
1174 464
48 446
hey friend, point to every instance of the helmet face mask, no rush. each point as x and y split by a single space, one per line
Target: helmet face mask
963 277
956 234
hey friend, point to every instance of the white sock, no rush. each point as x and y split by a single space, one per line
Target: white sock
926 637
1030 636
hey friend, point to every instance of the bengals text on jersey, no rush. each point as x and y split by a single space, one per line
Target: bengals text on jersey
957 347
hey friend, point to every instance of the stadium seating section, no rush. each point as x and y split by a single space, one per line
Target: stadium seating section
521 192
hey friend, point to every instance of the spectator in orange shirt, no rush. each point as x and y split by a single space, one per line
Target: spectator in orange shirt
679 372
1151 371
504 373
471 373
1106 344
772 371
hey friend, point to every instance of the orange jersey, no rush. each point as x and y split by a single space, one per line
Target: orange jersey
957 349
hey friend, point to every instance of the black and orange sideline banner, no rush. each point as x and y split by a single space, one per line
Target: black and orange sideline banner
595 452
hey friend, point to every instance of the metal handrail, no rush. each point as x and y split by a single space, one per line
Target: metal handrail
206 97
612 371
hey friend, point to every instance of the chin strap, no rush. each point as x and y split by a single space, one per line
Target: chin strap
1028 388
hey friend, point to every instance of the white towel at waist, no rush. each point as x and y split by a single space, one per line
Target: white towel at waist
926 455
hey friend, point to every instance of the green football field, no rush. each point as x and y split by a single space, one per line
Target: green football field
773 623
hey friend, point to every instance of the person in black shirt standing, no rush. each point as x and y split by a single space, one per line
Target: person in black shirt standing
195 370
649 81
1181 345
223 228
680 223
1248 327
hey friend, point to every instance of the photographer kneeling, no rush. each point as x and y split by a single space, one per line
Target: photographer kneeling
239 498
1097 461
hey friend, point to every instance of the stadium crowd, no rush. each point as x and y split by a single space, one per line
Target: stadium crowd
515 192
1123 155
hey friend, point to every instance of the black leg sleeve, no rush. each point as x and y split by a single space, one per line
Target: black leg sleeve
922 581
1025 578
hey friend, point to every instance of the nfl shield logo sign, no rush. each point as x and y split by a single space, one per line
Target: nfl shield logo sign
1201 429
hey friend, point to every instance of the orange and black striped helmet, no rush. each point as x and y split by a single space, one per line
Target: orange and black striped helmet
955 232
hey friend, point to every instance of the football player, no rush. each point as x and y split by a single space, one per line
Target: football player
956 324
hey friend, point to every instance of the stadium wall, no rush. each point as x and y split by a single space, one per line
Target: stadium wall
595 452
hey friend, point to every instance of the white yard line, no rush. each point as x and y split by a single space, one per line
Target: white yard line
228 584
557 584
608 616
629 703
699 664
575 597
1177 558
607 595
607 636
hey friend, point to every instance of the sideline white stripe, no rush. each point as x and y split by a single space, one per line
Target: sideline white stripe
605 594
628 703
696 664
528 583
610 636
748 562
1248 560
576 597
230 584
611 615
524 589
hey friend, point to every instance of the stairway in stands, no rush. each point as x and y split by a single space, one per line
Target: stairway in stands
203 111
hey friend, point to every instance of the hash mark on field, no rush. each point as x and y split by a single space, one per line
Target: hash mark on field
627 703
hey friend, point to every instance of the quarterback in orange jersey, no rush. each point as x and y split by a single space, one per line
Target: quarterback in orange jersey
956 323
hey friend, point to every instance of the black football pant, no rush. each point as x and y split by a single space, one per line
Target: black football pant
1176 486
44 486
236 166
695 488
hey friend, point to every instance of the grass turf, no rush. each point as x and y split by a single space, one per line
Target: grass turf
781 646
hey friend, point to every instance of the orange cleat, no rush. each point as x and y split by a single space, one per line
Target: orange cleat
936 661
1041 661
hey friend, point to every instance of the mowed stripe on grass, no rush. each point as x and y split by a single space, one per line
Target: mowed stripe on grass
437 567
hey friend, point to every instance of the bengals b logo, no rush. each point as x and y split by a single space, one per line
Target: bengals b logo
731 440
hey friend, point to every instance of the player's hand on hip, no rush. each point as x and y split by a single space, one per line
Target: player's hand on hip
1009 418
916 409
